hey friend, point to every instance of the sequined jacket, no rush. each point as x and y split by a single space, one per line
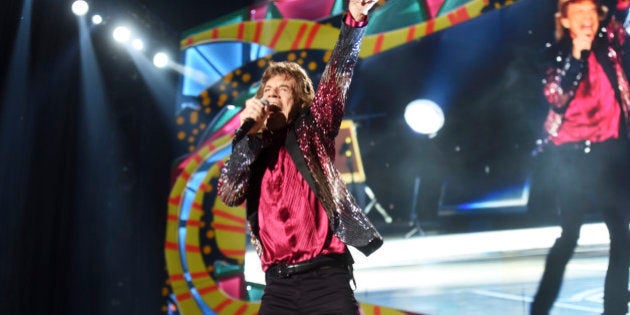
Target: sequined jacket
315 128
566 73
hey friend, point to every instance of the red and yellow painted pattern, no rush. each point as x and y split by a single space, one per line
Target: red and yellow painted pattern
229 230
377 43
278 34
284 35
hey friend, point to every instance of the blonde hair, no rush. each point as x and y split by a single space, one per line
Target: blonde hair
303 89
560 31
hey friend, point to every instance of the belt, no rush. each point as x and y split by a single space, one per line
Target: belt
287 270
587 146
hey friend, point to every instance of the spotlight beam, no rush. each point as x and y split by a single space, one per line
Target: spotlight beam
80 7
424 116
121 34
161 89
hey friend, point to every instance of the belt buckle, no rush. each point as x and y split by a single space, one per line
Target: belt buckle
587 147
282 271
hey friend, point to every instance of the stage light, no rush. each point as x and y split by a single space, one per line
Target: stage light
137 44
80 7
97 19
424 116
121 34
160 60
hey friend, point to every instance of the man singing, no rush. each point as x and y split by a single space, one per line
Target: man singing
300 212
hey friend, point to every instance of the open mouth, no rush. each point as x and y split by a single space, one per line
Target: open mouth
273 108
276 120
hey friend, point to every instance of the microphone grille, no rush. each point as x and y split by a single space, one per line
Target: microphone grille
264 101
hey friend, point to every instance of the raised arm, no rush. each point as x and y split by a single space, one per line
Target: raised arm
331 94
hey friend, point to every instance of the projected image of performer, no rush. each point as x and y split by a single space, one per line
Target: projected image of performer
301 214
587 131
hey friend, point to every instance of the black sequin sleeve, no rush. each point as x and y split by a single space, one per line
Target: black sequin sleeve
235 175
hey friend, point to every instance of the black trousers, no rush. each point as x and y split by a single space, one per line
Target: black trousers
325 290
595 177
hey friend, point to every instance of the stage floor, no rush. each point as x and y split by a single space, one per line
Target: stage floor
488 273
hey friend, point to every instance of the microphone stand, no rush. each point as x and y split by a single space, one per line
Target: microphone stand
414 221
345 150
374 203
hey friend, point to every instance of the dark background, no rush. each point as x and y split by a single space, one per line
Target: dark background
83 204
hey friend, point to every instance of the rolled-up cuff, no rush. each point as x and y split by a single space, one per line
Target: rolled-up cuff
350 21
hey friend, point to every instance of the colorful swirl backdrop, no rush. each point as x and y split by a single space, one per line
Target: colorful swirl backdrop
206 240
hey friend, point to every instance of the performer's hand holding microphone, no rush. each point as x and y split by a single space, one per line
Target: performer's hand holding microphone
257 112
582 44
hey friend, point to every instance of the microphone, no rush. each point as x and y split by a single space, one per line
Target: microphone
247 125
